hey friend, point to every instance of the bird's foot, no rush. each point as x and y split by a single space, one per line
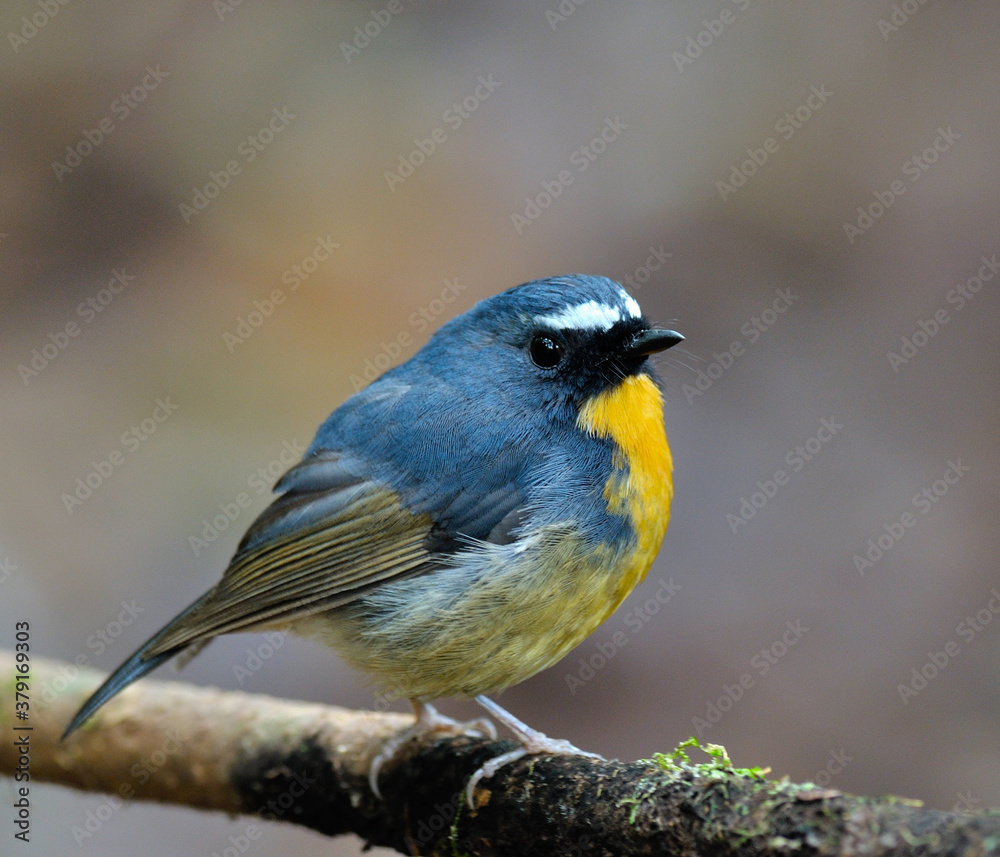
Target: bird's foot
532 742
428 720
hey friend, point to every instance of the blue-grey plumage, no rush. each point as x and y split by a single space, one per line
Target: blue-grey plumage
474 513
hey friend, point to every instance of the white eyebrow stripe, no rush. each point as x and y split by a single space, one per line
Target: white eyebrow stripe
632 305
586 316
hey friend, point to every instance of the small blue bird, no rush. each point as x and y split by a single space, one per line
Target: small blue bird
467 519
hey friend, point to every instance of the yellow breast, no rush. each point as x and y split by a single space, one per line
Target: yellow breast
641 486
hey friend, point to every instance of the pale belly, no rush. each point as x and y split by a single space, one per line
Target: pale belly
482 626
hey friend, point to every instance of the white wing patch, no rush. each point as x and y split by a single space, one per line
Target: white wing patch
591 315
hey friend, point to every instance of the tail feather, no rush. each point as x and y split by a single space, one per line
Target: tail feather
133 669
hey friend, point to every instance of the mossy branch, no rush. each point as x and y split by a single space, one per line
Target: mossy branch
308 765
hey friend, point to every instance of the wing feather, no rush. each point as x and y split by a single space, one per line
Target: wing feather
340 544
336 531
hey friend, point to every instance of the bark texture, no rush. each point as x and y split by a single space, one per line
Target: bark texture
308 765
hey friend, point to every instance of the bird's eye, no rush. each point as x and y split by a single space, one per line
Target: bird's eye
546 351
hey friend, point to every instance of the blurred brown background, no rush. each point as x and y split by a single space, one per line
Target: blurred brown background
115 116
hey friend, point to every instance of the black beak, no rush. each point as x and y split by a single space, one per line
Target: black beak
651 341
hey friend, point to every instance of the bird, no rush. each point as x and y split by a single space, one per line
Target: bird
468 518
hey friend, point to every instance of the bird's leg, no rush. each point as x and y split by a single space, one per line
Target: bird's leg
428 720
532 741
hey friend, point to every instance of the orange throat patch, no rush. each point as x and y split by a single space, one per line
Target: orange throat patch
641 487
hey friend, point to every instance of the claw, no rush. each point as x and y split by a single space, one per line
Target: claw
428 720
488 770
532 742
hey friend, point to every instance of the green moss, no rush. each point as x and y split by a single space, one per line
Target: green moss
902 801
677 760
780 843
454 831
645 789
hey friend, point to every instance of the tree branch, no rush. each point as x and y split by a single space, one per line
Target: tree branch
308 764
